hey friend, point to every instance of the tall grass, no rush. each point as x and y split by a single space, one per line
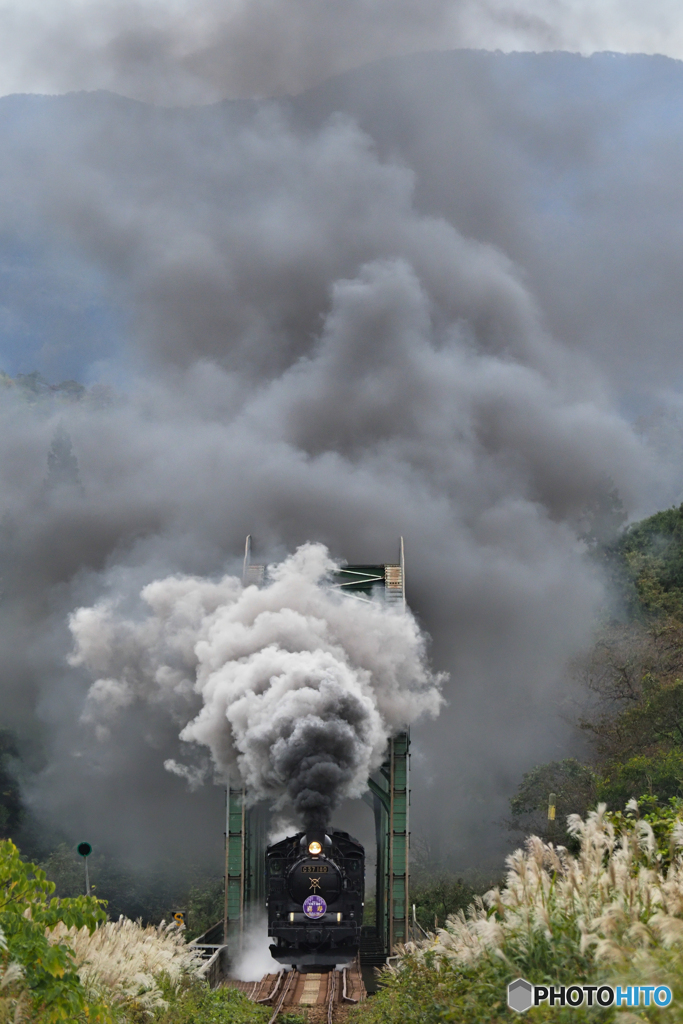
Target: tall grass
574 913
613 913
126 965
13 997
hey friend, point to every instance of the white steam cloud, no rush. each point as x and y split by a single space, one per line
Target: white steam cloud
254 959
301 686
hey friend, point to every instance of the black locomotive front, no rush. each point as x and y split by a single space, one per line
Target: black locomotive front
314 885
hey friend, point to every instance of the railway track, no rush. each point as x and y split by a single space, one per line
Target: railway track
326 995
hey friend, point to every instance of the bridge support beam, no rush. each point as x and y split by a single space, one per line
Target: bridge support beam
235 850
391 796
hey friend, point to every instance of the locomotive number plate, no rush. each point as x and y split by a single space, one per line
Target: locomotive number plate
314 869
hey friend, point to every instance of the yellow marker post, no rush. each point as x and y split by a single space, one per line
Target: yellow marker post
551 807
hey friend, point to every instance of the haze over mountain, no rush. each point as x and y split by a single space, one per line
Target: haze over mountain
428 297
184 52
570 165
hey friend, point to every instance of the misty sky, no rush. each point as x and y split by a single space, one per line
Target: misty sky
435 296
182 52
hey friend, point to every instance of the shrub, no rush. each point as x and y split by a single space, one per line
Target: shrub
41 967
574 785
195 1003
438 899
659 773
432 990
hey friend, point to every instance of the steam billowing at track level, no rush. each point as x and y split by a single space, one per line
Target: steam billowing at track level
300 686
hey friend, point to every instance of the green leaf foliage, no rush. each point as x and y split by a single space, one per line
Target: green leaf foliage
575 787
663 819
651 557
28 910
435 900
196 1003
437 991
204 902
636 727
658 776
657 717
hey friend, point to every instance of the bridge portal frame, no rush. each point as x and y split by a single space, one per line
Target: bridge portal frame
389 797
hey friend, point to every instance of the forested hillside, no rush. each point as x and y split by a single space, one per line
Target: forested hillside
633 713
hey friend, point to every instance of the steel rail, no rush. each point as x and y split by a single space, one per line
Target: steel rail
330 1000
266 999
283 996
346 998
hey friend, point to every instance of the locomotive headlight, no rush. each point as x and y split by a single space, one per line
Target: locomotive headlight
315 848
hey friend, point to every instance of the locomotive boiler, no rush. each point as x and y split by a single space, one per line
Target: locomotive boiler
315 888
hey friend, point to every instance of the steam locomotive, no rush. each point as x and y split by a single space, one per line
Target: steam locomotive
315 887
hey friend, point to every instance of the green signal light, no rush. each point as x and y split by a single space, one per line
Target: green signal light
85 849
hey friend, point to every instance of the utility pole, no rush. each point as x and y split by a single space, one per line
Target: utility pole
85 849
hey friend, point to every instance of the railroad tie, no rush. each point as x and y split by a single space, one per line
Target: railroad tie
309 996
